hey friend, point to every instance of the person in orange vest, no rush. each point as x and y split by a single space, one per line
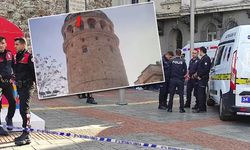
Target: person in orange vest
6 74
25 79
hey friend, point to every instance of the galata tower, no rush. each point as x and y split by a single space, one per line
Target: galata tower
94 61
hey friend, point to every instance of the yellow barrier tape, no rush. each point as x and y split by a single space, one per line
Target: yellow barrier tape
221 77
243 81
227 77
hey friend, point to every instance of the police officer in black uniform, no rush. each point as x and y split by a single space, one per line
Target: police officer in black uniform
90 98
178 70
202 75
192 81
164 87
25 78
6 73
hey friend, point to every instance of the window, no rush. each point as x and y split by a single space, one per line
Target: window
103 24
219 56
225 52
84 49
231 24
111 48
229 52
81 25
91 23
70 29
211 32
135 1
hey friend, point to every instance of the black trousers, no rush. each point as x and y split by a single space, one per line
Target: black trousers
163 95
179 84
7 91
201 95
192 85
25 93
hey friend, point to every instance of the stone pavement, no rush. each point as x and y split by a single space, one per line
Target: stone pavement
139 121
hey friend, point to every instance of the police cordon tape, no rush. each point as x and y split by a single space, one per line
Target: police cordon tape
227 77
99 139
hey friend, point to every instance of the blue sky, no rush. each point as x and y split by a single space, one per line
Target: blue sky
134 25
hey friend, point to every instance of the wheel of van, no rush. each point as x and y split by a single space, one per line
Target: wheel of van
224 113
210 101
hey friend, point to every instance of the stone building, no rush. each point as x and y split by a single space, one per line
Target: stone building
152 73
94 60
212 19
19 11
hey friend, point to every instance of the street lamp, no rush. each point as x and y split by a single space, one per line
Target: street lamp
192 9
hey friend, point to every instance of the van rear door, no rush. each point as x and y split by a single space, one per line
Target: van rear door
243 69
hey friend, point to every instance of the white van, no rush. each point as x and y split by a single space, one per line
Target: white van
229 84
211 49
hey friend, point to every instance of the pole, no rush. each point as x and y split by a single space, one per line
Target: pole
192 9
121 97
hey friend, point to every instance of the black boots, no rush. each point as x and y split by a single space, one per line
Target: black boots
9 123
182 110
3 132
91 100
23 139
162 107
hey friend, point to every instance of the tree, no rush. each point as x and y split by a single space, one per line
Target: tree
50 80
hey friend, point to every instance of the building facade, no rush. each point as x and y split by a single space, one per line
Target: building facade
212 19
18 12
92 52
152 73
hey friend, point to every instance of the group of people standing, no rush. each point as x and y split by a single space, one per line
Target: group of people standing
176 72
17 68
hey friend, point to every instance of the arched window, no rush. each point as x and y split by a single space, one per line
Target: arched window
231 24
84 49
175 42
70 29
91 23
81 25
111 48
211 32
103 24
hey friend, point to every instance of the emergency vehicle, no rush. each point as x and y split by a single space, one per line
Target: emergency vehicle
230 73
211 49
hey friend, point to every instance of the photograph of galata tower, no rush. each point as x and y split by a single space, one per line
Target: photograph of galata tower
92 52
96 50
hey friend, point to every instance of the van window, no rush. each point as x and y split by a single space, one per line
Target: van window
219 56
229 52
225 52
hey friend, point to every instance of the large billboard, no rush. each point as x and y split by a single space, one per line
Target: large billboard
96 50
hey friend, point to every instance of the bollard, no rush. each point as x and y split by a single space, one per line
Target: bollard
121 100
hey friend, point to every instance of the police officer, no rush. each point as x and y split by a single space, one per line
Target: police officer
6 73
164 87
90 98
192 81
178 69
202 75
25 77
